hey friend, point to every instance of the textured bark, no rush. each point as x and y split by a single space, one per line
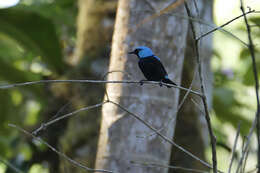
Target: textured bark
94 33
191 128
118 142
91 32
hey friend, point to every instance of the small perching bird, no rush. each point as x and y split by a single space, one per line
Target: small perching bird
151 65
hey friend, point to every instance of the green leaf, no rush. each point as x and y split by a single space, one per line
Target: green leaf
248 77
225 104
255 20
35 33
14 75
244 54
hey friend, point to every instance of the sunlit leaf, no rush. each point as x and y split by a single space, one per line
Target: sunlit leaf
255 20
248 78
224 105
13 75
35 33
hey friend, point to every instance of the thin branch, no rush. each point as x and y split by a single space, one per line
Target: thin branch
252 170
97 82
223 25
188 92
212 137
216 28
114 71
117 71
170 7
246 146
234 148
45 125
244 165
150 5
197 105
172 119
10 165
244 151
148 164
252 53
60 110
75 163
161 135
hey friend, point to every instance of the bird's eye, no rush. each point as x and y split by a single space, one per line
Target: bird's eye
138 50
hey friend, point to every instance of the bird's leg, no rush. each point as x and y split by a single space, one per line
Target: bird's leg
142 82
160 83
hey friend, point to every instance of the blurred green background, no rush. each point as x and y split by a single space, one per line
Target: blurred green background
37 41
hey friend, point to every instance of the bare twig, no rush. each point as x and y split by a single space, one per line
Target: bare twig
234 148
58 152
252 53
212 137
197 105
256 120
216 28
60 110
246 145
148 164
150 5
244 152
45 125
114 71
172 119
117 71
170 7
161 135
187 93
244 165
95 81
223 25
252 170
10 165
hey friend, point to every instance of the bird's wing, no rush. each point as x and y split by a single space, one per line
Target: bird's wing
152 68
160 66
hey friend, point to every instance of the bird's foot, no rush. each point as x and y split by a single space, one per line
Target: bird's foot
161 83
142 82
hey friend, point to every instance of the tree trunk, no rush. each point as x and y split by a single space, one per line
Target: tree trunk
94 33
118 141
191 124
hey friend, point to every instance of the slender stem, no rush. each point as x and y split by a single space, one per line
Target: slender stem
225 24
252 53
45 125
10 165
75 163
147 164
96 82
204 100
161 135
234 148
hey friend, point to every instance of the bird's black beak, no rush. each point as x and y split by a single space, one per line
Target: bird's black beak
133 52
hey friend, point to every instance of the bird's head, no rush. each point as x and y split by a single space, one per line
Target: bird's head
142 52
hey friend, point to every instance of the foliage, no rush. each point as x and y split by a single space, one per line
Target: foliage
33 40
232 101
30 49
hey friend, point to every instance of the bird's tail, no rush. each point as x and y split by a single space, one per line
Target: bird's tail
168 81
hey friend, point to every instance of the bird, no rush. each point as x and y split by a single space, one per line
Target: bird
151 66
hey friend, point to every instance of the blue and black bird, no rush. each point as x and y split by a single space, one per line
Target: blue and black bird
151 65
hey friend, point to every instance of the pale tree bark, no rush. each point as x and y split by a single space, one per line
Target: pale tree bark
94 33
118 141
191 124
